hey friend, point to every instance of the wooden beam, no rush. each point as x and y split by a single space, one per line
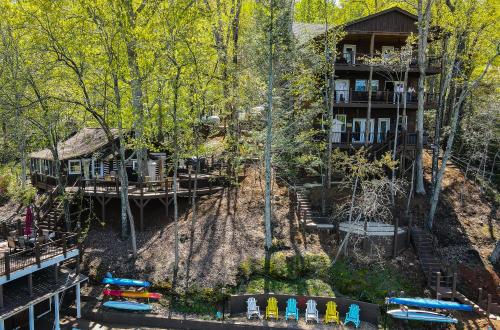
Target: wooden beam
30 284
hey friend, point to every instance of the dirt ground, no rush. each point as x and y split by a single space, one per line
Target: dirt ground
229 229
467 227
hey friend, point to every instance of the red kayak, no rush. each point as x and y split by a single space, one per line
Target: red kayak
132 294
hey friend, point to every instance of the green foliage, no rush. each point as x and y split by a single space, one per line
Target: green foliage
367 283
11 188
313 274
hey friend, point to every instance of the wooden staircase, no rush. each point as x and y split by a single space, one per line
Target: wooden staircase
306 216
444 285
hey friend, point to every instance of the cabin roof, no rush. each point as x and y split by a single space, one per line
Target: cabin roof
85 142
304 32
392 20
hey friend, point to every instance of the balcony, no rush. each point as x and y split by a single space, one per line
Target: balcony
40 254
359 62
385 99
351 139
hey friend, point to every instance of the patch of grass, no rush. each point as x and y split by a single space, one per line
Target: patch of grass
311 287
313 274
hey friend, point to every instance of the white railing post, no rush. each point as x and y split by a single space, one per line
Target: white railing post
31 311
78 301
56 312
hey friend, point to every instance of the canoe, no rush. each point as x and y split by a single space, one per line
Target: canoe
418 315
132 294
430 303
125 282
127 305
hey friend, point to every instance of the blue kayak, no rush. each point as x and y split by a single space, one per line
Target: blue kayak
125 282
127 305
430 303
418 315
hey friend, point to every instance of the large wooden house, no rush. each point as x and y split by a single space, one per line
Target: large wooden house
375 35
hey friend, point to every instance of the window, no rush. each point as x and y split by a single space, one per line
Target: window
134 165
360 85
374 85
75 167
343 119
387 51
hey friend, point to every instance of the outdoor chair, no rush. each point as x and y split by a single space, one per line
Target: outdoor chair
353 315
11 243
331 313
312 311
252 308
272 308
291 309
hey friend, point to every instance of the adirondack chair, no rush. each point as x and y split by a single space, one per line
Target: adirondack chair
331 313
252 308
353 315
272 308
311 311
291 309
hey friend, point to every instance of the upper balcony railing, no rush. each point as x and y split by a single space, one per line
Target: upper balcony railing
383 97
358 59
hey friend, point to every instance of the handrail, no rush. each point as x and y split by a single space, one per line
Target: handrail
385 97
357 58
11 262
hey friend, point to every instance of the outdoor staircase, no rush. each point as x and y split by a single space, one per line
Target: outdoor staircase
306 216
438 281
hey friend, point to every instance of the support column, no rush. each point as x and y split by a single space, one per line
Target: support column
30 284
78 303
31 311
2 324
56 312
1 296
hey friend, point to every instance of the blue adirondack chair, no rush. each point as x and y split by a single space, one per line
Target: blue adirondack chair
353 315
291 309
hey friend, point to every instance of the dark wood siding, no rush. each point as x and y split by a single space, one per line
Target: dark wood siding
393 21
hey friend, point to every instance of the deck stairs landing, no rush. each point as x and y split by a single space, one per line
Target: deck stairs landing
423 242
306 216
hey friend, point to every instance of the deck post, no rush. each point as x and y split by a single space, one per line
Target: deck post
19 228
37 255
30 284
64 245
142 213
408 234
78 301
454 286
56 272
395 239
2 324
488 307
480 296
166 195
438 284
56 312
1 295
31 310
7 264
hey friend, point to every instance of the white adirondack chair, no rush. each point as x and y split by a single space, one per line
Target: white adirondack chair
252 308
312 311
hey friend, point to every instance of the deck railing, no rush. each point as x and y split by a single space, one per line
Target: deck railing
359 138
355 58
11 262
385 97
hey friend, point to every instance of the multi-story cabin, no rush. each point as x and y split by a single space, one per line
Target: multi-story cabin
38 274
380 34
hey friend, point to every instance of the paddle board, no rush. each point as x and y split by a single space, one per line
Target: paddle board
132 294
127 305
418 315
430 303
125 282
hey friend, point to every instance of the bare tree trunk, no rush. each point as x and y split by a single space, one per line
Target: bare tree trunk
269 136
369 108
457 103
175 178
423 30
395 148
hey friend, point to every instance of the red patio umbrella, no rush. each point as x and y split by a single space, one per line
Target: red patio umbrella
28 222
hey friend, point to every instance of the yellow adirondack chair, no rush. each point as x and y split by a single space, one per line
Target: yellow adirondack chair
331 313
272 308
